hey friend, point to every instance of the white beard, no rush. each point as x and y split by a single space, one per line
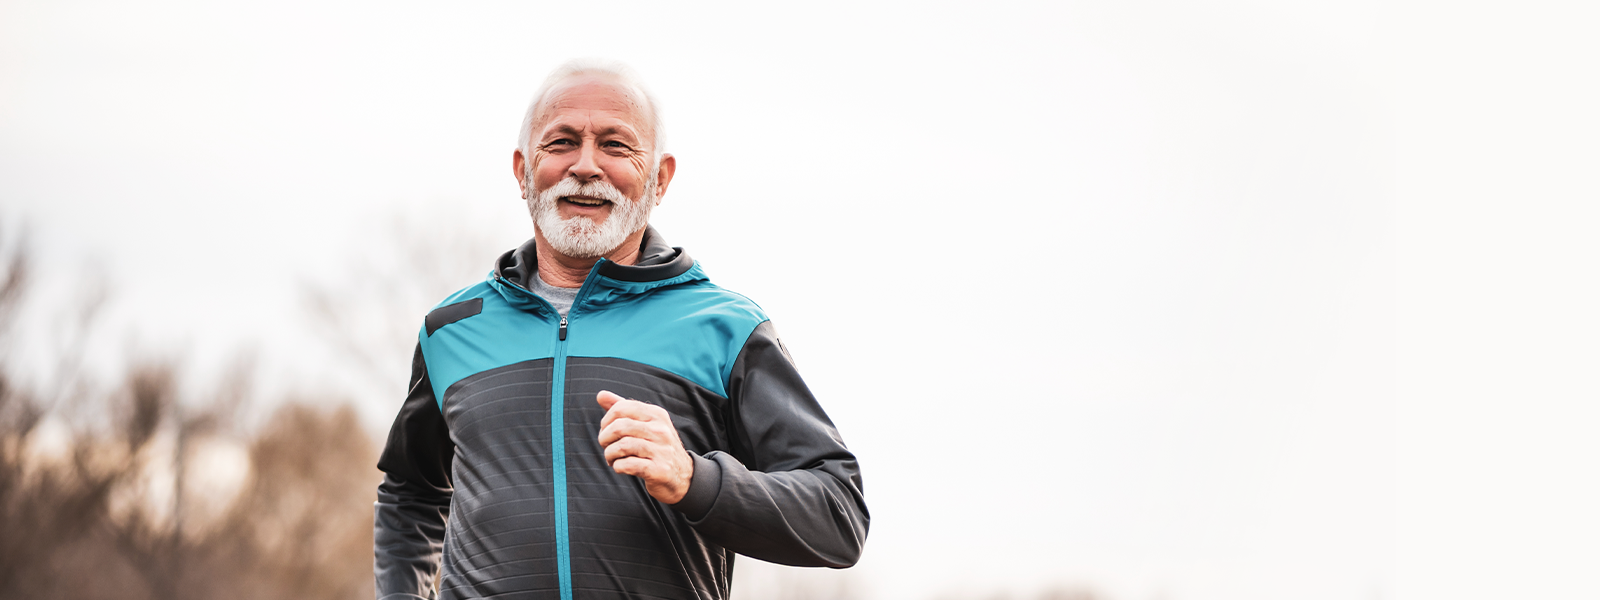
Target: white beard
579 237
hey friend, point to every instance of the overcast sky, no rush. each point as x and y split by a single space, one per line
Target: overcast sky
1102 293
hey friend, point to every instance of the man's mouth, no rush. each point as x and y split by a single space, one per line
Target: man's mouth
585 201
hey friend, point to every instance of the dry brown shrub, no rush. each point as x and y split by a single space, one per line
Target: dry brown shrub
121 507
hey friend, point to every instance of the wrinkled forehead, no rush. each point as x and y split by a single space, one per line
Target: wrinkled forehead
597 94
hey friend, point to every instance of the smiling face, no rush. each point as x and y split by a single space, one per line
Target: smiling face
591 176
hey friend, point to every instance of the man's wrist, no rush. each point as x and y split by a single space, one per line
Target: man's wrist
704 484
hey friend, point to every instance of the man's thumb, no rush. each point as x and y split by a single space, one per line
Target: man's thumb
607 399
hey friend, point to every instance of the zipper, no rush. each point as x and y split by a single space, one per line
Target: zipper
558 443
558 467
558 439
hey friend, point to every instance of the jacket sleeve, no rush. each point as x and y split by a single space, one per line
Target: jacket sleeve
790 493
414 498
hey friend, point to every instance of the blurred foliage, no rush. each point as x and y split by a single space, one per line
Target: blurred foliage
171 499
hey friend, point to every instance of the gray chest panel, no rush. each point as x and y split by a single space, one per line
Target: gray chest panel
501 536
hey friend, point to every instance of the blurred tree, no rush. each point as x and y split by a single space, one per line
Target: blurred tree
110 507
369 316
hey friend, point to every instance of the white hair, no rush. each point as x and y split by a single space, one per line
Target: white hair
623 74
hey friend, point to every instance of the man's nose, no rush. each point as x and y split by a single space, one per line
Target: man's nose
587 167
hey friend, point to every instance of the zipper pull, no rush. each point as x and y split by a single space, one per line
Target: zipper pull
563 328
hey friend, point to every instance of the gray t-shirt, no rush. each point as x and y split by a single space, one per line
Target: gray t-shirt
559 297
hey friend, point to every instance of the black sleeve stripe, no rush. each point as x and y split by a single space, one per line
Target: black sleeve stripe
446 315
419 451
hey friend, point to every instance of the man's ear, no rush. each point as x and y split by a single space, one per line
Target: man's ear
669 165
516 168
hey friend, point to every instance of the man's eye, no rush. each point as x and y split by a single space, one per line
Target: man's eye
615 144
559 143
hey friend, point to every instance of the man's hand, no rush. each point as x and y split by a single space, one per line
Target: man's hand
639 440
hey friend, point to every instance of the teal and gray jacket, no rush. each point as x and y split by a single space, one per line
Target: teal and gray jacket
494 459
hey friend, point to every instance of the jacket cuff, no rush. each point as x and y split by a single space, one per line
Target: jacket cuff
703 487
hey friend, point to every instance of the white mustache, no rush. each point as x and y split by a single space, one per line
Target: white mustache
592 189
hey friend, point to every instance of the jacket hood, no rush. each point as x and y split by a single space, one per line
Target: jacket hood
659 265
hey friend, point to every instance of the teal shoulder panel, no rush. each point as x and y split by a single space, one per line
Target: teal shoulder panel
500 335
476 290
693 329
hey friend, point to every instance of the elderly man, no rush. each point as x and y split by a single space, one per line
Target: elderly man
597 419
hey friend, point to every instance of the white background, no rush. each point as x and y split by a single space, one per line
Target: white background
1241 300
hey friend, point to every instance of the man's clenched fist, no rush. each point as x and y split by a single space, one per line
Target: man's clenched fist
639 440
